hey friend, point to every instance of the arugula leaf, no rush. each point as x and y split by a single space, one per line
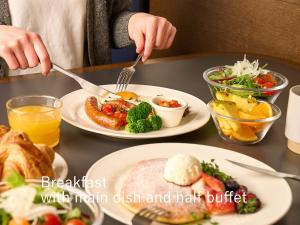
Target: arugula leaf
14 180
4 217
251 206
245 80
212 169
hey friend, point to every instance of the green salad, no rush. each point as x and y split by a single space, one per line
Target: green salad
28 203
246 75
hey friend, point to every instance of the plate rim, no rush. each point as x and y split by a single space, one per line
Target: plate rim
122 220
64 174
206 119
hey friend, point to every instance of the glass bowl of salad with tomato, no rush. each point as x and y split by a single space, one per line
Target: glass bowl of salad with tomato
245 79
32 203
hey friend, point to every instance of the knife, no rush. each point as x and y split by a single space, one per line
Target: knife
267 172
86 85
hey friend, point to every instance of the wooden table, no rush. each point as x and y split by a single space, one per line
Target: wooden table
81 149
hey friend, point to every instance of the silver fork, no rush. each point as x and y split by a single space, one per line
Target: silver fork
126 75
147 215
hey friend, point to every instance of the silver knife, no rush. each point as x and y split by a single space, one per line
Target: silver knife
264 171
86 85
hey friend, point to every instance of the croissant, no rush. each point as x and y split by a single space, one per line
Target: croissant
18 153
3 130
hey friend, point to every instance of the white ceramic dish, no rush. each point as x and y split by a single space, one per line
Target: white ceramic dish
274 193
171 117
73 113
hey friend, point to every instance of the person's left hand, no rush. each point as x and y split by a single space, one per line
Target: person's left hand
150 32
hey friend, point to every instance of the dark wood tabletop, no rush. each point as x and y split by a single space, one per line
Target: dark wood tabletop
81 149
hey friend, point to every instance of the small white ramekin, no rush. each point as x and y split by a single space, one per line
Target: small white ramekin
171 117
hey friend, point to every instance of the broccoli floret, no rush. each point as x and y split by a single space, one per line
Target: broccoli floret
143 126
145 109
156 122
131 128
139 112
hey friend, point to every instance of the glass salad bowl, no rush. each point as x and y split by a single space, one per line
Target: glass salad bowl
244 87
61 204
243 126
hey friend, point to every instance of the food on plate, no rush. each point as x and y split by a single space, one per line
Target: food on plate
134 114
246 79
18 153
212 193
170 110
146 179
30 203
142 118
242 121
120 114
3 130
169 104
128 95
182 169
110 115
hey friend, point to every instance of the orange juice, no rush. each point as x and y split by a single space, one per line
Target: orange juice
40 123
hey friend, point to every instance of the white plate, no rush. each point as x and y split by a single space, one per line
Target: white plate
60 167
274 193
74 113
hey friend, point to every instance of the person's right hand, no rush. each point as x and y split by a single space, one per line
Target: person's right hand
22 49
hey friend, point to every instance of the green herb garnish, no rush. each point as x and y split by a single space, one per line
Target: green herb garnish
4 217
212 169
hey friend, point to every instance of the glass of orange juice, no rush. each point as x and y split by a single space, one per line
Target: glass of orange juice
38 116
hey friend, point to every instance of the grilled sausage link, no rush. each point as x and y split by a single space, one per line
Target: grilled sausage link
93 111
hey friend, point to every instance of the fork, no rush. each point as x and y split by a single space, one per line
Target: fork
126 75
147 215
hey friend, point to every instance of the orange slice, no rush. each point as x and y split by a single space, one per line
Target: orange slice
245 134
263 110
248 116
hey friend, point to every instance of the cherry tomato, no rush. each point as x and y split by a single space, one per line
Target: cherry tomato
269 77
268 85
122 116
174 104
117 114
108 109
259 80
51 219
75 222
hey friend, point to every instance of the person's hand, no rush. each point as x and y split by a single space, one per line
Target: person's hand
23 49
150 32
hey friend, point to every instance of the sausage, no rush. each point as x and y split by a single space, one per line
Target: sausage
95 114
120 103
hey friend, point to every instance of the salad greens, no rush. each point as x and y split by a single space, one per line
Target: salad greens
4 217
244 81
212 169
15 180
44 205
244 75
